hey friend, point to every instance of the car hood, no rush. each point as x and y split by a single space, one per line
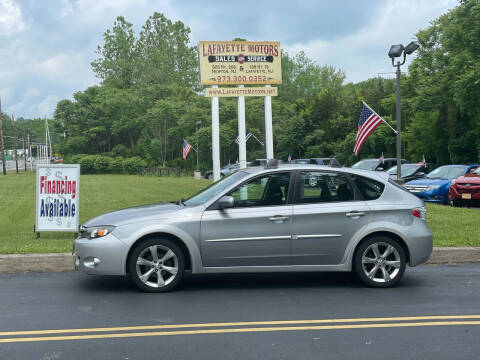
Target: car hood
426 181
468 178
132 214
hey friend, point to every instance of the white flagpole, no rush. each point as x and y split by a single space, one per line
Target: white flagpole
364 103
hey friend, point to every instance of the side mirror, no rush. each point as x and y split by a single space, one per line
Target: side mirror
380 169
421 174
226 202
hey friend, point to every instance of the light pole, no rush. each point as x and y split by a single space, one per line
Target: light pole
398 51
197 125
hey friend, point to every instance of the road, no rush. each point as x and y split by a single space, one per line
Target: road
289 316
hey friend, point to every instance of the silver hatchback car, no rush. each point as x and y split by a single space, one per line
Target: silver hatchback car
287 218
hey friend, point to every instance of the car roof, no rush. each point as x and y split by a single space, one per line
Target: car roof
381 175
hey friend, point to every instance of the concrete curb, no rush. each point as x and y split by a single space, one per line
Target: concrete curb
18 263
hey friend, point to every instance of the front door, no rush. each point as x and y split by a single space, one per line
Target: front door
326 214
256 231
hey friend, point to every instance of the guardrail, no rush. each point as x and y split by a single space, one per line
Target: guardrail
162 171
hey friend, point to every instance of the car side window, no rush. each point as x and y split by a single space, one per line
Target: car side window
369 188
318 187
267 190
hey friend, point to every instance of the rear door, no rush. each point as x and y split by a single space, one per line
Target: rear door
327 212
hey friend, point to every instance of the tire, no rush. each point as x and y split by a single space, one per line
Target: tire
389 269
151 275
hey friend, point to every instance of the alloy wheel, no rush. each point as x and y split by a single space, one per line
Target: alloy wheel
157 266
381 262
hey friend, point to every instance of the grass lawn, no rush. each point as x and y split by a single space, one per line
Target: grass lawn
98 194
103 193
454 226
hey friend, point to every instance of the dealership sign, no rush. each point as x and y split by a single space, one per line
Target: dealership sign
57 200
240 62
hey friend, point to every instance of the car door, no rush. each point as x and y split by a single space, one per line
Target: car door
327 212
256 231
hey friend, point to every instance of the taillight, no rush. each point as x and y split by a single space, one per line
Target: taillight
420 212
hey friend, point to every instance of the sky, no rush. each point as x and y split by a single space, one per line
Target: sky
47 46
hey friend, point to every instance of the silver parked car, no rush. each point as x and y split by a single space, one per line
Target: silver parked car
287 218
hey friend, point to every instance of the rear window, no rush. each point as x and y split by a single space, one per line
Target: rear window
369 188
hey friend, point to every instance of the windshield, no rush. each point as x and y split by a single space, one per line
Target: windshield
216 188
447 172
301 161
407 169
366 165
477 171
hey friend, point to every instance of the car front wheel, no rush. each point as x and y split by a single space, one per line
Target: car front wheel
379 262
156 265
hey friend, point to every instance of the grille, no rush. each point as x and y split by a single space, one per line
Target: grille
416 188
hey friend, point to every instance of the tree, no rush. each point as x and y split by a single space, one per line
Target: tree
118 59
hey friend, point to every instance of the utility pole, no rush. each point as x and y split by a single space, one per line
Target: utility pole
24 151
15 144
29 144
4 166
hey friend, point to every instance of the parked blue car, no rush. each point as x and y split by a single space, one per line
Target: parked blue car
434 186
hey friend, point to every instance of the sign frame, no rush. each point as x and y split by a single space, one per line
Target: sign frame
76 218
240 62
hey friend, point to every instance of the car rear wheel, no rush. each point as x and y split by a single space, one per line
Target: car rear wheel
156 265
379 262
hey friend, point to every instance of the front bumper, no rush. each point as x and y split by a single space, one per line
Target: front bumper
104 255
458 194
434 196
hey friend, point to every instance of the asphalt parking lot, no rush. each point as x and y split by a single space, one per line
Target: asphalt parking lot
433 314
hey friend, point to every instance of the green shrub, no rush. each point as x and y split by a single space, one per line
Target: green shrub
102 164
73 159
87 164
116 165
120 150
132 164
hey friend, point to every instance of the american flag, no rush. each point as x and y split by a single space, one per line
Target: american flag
186 149
248 135
368 122
423 162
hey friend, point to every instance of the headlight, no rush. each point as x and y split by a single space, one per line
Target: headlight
96 231
453 182
433 187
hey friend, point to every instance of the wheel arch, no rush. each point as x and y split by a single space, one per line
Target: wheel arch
165 235
389 234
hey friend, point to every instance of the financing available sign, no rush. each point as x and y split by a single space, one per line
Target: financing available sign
57 197
240 62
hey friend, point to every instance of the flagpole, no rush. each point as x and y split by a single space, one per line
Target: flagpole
364 103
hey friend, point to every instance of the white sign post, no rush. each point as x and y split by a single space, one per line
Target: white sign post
57 197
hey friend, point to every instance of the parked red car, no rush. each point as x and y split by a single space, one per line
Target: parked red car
465 190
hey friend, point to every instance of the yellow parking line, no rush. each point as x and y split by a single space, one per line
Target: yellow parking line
238 330
238 323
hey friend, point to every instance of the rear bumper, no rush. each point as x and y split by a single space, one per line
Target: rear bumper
104 256
419 242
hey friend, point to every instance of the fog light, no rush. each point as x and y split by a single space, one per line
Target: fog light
91 262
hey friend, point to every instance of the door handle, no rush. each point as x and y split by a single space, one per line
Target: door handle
354 214
279 218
